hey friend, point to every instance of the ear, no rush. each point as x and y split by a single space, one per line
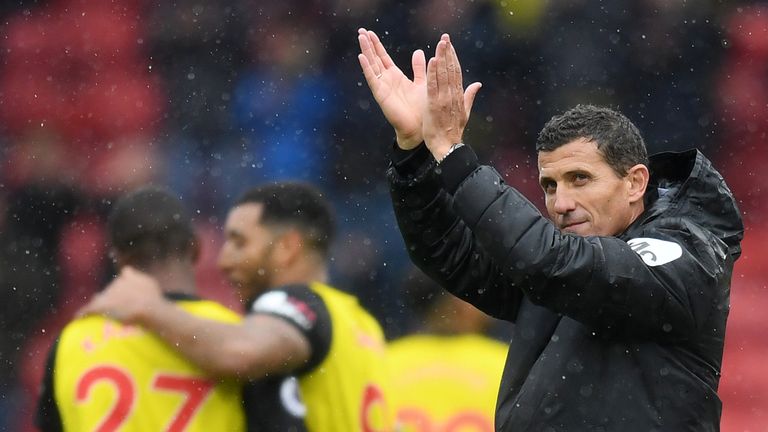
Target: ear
289 247
637 181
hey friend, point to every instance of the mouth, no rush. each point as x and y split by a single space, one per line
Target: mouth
573 226
233 280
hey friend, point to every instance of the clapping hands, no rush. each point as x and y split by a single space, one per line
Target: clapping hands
433 107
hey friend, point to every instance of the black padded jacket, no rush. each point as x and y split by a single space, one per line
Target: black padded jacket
617 333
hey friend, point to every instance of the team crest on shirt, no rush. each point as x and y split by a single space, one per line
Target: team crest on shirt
281 304
655 252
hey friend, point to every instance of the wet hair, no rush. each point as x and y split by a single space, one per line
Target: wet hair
297 205
617 138
150 225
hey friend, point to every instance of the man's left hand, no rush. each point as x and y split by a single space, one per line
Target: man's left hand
448 104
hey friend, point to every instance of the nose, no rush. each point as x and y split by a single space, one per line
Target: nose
224 261
564 202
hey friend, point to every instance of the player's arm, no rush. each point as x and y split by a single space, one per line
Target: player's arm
261 344
258 346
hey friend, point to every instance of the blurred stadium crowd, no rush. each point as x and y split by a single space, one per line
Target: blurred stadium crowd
97 98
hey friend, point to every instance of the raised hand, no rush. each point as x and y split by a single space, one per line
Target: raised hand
448 104
401 100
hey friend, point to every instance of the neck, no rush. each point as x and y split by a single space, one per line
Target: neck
452 316
304 271
636 212
447 324
174 276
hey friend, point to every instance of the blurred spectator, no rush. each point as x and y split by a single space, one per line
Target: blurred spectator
675 51
76 67
583 63
199 50
742 91
286 100
743 108
28 278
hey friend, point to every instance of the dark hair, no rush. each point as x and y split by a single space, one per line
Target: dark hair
617 139
150 225
421 293
297 205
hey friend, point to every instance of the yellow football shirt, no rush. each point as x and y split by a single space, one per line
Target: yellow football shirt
345 385
108 377
446 383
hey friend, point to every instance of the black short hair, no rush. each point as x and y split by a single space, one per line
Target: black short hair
298 205
617 138
150 225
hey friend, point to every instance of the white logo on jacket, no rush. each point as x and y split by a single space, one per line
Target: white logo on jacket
655 252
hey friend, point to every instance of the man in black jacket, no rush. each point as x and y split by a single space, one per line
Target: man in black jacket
620 298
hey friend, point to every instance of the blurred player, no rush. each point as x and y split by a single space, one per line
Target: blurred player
106 376
446 376
313 356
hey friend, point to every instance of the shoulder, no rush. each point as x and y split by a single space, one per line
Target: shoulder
471 342
85 324
295 303
669 239
209 309
303 308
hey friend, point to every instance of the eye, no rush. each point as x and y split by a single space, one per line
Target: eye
549 187
234 241
580 179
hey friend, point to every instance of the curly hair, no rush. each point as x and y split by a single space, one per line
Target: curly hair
150 225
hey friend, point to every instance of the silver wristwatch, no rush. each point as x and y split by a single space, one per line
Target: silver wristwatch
450 150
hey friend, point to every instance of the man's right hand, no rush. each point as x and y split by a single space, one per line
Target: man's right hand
401 100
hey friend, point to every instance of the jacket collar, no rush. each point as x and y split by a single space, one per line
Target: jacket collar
685 184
